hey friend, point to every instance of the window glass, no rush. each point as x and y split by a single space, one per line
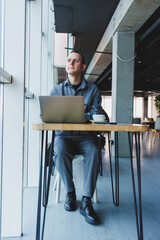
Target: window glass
1 64
1 101
138 107
60 52
1 31
107 105
151 108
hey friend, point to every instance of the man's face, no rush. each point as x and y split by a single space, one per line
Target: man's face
74 64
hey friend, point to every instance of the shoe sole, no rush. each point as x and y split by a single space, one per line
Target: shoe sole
69 209
87 220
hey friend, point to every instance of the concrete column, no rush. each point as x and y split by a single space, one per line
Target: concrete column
122 84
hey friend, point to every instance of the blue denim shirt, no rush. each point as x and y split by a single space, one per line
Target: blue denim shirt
92 100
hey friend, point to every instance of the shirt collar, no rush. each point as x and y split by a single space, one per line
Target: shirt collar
83 84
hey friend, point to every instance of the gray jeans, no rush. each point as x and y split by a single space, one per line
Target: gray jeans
65 147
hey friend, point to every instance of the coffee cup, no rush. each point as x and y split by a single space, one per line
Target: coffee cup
99 117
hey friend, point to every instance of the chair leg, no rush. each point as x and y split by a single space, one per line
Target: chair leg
146 135
101 166
100 156
58 188
154 138
151 135
95 198
55 182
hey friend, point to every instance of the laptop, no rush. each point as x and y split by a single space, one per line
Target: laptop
62 109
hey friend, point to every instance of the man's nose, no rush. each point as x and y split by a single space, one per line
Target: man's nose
72 62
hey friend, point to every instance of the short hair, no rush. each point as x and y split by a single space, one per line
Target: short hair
82 56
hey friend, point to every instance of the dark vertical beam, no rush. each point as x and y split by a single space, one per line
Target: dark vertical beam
145 107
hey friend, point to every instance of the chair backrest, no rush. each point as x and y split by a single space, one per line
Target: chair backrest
137 120
157 124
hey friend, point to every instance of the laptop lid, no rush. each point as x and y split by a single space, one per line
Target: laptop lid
62 109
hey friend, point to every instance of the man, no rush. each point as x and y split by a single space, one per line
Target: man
67 144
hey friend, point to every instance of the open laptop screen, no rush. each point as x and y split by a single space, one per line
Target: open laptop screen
62 109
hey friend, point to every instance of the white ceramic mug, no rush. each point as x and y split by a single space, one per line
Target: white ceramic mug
99 117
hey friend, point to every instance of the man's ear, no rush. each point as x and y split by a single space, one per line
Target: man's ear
84 67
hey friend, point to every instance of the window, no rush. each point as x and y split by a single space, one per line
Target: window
60 51
138 107
107 105
1 102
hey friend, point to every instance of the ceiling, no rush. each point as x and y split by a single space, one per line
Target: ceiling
147 61
87 20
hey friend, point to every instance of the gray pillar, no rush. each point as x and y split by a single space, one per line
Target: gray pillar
145 107
122 84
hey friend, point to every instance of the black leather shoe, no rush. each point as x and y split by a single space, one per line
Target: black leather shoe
70 202
88 212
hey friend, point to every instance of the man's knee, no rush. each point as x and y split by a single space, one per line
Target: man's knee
92 150
62 157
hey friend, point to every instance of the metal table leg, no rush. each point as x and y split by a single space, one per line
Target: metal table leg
100 155
138 211
46 185
47 178
115 191
39 192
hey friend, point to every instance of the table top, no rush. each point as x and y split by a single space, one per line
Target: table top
90 127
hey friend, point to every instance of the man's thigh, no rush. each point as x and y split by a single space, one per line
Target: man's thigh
88 145
64 144
75 144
